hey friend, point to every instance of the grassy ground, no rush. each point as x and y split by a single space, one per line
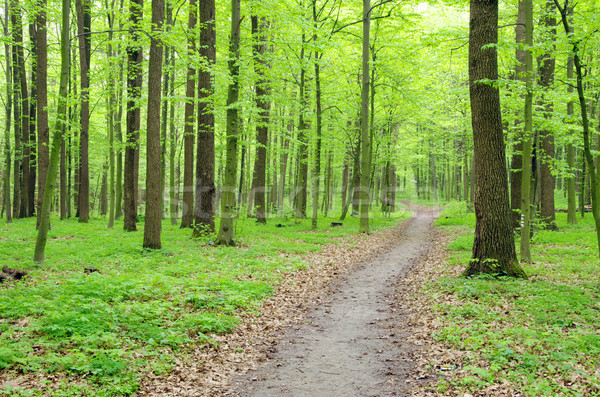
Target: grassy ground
143 308
541 336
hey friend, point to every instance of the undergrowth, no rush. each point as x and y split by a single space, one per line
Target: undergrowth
98 332
541 336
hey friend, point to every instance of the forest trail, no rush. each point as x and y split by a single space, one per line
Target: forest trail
353 344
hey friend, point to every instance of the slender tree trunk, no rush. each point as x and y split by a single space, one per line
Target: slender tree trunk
301 184
187 219
153 218
226 232
547 67
63 178
134 87
587 153
173 137
526 214
40 245
365 166
8 109
259 31
517 159
167 70
284 161
494 245
204 218
41 85
83 29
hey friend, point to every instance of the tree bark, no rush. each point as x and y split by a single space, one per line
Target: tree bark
493 246
134 87
365 166
225 236
204 218
8 109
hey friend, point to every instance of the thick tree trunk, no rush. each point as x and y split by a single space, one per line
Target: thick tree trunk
187 219
134 87
83 29
494 245
204 218
153 218
226 233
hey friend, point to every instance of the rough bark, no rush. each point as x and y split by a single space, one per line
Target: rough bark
153 218
493 246
8 109
204 219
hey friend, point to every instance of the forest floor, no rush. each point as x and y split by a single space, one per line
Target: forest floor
340 329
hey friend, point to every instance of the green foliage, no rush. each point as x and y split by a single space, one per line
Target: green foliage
539 335
143 308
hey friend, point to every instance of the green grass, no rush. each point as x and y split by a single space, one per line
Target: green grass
143 308
541 335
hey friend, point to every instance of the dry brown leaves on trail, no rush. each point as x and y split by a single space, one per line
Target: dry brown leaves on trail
208 371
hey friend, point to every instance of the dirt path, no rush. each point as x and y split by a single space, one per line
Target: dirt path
353 343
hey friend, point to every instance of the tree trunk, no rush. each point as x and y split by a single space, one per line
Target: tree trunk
40 245
32 144
493 246
587 153
365 166
41 85
187 219
259 31
63 178
226 234
517 159
547 138
8 109
205 149
526 214
83 29
134 87
153 218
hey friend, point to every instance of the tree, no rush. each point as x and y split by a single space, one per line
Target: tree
84 23
205 152
187 219
8 108
493 246
259 28
365 166
225 236
587 151
153 218
527 138
547 66
42 100
40 245
134 87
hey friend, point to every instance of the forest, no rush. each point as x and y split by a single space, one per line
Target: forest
182 181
